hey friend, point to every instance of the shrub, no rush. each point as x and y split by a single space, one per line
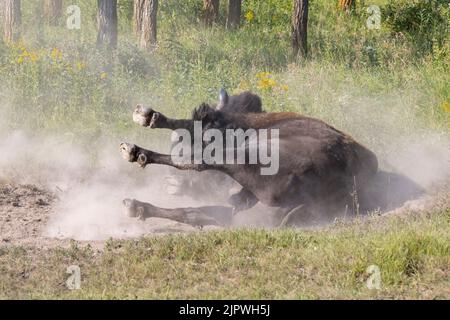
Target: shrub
424 23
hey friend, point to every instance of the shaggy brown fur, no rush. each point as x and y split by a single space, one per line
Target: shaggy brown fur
324 173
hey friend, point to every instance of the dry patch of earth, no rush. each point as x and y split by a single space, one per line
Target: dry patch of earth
26 211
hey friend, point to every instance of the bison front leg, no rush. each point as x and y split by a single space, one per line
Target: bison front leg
147 117
143 157
202 216
133 153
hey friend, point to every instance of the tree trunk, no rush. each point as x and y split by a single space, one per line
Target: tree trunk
346 5
137 16
107 23
234 14
210 12
300 28
149 24
2 14
12 20
53 11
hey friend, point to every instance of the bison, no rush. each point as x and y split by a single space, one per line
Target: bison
211 184
323 172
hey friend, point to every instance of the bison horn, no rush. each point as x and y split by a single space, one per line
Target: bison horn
223 98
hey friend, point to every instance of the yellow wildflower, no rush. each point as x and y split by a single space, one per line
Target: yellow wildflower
56 54
81 65
266 83
20 60
33 56
263 75
249 16
446 106
103 75
21 47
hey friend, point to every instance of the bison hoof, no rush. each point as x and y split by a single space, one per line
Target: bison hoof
133 209
133 153
154 120
142 160
129 151
142 115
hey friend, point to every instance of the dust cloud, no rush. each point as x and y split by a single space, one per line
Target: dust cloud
90 184
91 181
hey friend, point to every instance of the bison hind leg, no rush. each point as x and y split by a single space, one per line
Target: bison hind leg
134 209
201 216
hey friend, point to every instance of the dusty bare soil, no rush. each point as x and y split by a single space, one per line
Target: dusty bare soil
26 210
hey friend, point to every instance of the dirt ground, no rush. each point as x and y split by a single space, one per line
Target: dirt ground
26 210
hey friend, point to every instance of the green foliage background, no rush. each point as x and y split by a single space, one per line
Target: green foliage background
90 91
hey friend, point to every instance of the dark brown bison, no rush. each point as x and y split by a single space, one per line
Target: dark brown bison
323 173
211 185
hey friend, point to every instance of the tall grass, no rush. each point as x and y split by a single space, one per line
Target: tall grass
56 79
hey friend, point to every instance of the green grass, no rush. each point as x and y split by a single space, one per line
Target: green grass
412 252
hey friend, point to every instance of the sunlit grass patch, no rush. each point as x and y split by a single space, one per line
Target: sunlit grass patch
412 253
